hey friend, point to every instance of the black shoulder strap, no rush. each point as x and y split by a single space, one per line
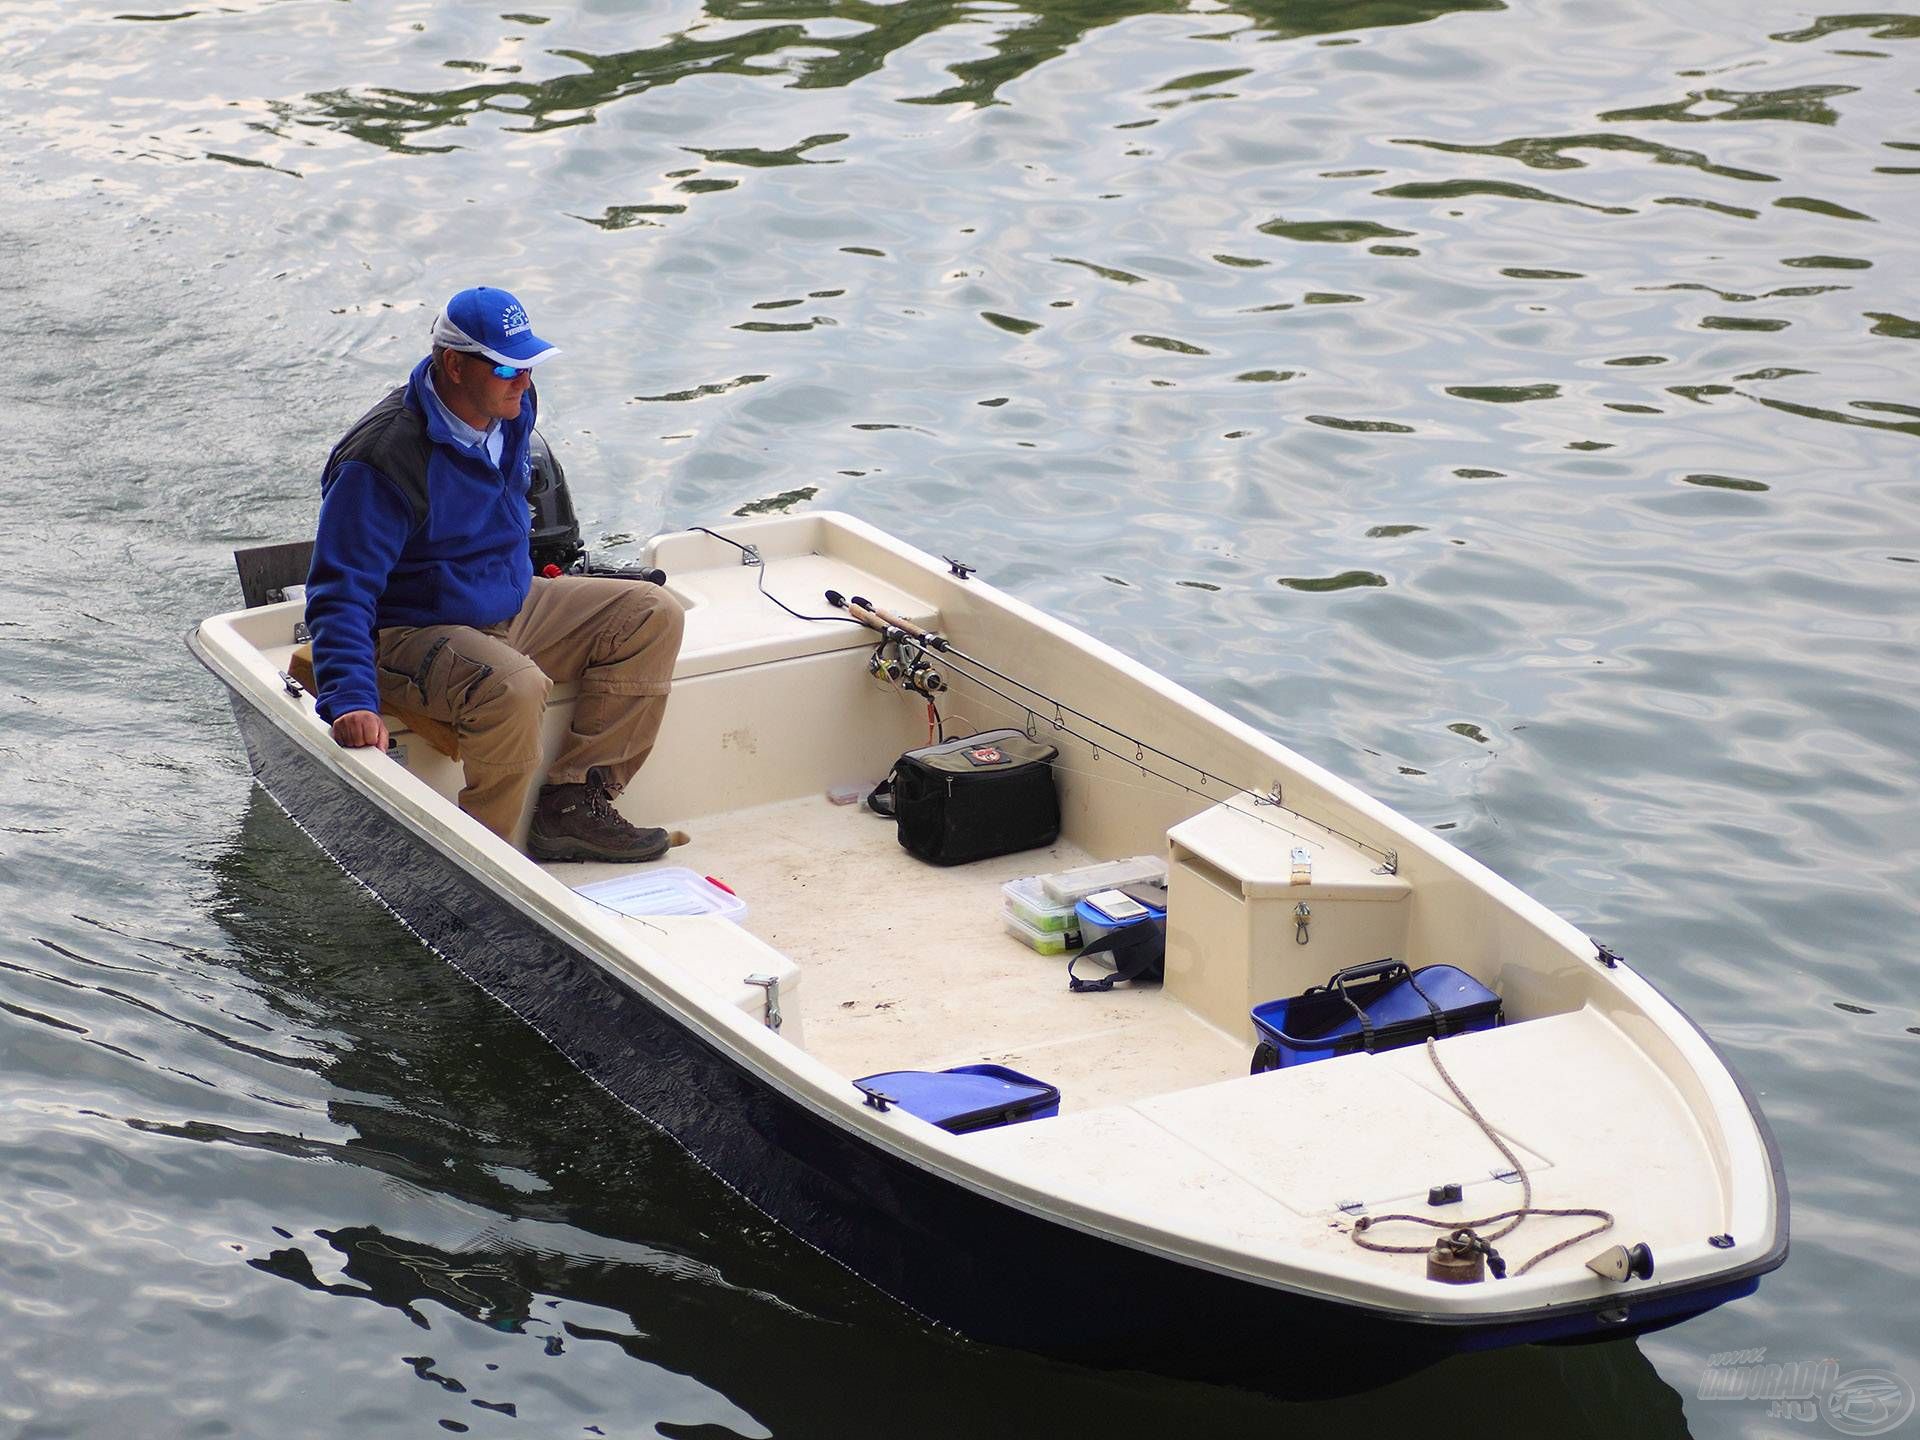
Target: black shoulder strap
1136 950
391 438
1439 1015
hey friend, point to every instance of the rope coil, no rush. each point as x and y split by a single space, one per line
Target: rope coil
1473 1233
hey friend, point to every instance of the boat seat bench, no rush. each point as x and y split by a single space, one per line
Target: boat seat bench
722 633
728 627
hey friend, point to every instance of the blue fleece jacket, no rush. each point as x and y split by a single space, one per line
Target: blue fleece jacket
404 544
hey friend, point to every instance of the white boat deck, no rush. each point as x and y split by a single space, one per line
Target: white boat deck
907 966
1158 1114
1265 1162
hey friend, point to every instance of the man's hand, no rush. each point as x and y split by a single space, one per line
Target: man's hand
359 728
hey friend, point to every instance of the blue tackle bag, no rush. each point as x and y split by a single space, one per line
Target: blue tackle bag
1381 1006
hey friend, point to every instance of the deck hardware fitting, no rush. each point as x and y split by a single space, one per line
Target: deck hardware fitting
1351 1207
1506 1177
1272 797
292 686
301 634
1392 865
958 570
1447 1194
878 1099
750 555
1720 1242
770 984
1459 1259
1302 917
1622 1263
1609 958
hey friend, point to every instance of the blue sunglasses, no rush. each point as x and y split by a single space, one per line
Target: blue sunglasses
505 372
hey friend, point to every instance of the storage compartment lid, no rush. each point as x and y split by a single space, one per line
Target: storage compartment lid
967 1097
1253 847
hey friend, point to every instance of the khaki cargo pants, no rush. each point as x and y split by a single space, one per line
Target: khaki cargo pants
618 638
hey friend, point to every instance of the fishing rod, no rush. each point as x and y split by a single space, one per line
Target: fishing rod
910 669
917 676
932 640
902 632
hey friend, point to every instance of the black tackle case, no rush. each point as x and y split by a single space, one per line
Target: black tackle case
973 798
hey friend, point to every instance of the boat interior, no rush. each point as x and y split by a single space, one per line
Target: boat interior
886 963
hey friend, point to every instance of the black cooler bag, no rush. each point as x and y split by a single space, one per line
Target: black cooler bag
969 799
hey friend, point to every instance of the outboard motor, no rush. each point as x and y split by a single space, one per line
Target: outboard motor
556 544
556 529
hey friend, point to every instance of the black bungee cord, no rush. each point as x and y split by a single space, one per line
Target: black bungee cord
760 566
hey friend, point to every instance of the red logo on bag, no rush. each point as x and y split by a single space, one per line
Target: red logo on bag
986 755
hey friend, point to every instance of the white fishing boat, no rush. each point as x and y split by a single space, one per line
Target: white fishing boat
1178 1213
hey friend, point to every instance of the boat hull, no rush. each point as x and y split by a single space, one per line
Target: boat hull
992 1271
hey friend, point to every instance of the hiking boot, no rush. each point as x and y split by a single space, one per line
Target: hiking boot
578 822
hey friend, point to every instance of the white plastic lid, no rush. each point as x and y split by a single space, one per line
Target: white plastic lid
664 890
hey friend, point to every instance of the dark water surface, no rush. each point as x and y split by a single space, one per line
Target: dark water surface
1513 409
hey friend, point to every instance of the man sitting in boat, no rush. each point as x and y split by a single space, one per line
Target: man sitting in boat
422 597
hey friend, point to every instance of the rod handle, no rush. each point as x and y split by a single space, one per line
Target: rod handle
925 637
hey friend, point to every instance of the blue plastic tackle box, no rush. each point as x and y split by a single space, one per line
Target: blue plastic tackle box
967 1097
1093 920
1382 1006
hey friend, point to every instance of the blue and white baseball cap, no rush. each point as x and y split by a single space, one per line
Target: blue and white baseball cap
492 323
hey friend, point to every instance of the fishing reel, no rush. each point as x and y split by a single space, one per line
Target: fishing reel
907 667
